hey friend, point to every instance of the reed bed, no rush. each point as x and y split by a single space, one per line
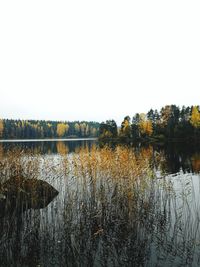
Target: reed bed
112 209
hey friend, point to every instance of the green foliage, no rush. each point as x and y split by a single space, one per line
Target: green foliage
125 131
108 129
19 129
171 122
1 128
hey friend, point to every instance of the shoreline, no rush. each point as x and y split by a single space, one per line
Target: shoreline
149 140
47 140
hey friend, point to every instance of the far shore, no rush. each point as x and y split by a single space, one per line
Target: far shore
149 140
47 140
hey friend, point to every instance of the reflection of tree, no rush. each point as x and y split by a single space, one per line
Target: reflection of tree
144 228
44 148
175 157
195 160
1 150
62 148
109 214
170 162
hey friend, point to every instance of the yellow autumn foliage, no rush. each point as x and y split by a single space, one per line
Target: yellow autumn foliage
62 129
62 148
145 125
195 117
1 128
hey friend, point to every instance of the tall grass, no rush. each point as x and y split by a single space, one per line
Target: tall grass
119 212
112 209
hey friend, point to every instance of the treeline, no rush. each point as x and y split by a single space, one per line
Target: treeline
170 123
22 129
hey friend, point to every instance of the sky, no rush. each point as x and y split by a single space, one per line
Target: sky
97 60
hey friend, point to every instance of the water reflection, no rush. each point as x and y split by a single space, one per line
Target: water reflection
105 220
47 147
171 157
179 157
175 157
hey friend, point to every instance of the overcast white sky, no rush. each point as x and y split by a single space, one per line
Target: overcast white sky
96 60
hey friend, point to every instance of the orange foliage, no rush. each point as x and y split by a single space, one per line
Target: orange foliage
62 129
1 128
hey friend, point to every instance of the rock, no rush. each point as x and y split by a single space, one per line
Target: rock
20 194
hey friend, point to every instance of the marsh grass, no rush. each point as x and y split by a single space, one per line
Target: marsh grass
17 163
112 209
119 213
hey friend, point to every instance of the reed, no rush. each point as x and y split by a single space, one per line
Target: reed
113 208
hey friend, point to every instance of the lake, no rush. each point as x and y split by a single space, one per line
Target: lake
79 203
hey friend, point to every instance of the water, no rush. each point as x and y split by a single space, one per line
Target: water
99 222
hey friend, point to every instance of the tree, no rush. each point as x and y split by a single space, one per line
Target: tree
83 128
151 115
145 125
195 117
93 131
126 127
77 128
87 130
45 129
165 115
149 128
165 123
1 128
173 120
108 129
62 129
135 132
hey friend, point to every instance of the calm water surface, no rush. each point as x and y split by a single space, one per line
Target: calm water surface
65 229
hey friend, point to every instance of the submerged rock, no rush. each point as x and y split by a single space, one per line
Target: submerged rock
20 194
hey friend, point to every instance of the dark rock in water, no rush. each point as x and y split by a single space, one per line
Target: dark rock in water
20 194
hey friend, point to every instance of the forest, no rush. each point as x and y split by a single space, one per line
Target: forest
22 129
170 123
